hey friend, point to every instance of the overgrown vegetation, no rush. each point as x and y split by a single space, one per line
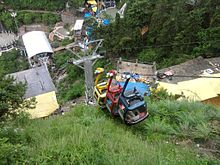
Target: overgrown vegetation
27 18
72 85
11 91
164 30
51 5
76 3
176 132
13 61
11 96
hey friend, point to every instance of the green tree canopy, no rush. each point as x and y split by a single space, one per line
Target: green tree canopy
11 95
174 29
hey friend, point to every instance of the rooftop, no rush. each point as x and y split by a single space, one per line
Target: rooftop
38 81
36 42
192 68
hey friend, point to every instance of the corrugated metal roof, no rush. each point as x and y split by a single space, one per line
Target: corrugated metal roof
38 81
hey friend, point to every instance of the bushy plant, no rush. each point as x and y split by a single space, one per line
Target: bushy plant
12 62
148 56
10 153
66 42
51 5
183 118
86 135
74 91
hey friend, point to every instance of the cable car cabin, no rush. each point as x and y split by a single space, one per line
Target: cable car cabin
112 95
131 106
100 89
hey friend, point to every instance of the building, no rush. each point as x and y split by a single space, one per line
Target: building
40 86
37 47
143 71
7 41
187 83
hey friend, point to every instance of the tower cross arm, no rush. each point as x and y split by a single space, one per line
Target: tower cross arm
83 59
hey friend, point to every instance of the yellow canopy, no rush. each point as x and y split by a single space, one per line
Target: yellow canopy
46 104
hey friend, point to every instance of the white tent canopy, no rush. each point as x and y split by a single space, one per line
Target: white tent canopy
78 25
35 43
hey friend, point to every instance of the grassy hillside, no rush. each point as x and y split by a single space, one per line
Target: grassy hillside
174 133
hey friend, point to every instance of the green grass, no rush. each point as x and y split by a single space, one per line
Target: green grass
88 135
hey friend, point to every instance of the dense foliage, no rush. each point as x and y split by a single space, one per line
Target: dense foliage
26 11
11 92
27 18
12 61
11 96
51 5
76 3
72 86
173 29
176 132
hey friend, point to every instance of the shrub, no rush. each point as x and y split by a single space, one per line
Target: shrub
148 56
11 154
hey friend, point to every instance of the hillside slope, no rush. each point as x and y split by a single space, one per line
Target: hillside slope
87 135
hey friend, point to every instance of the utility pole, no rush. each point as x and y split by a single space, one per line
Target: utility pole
86 64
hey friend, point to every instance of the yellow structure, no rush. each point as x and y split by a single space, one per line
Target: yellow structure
100 88
201 89
39 86
45 105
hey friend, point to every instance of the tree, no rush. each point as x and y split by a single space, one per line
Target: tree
11 96
176 30
76 3
12 61
27 18
36 5
11 92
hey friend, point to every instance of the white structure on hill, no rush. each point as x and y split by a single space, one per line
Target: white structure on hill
37 47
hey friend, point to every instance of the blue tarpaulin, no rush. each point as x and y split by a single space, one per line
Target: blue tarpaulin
141 87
